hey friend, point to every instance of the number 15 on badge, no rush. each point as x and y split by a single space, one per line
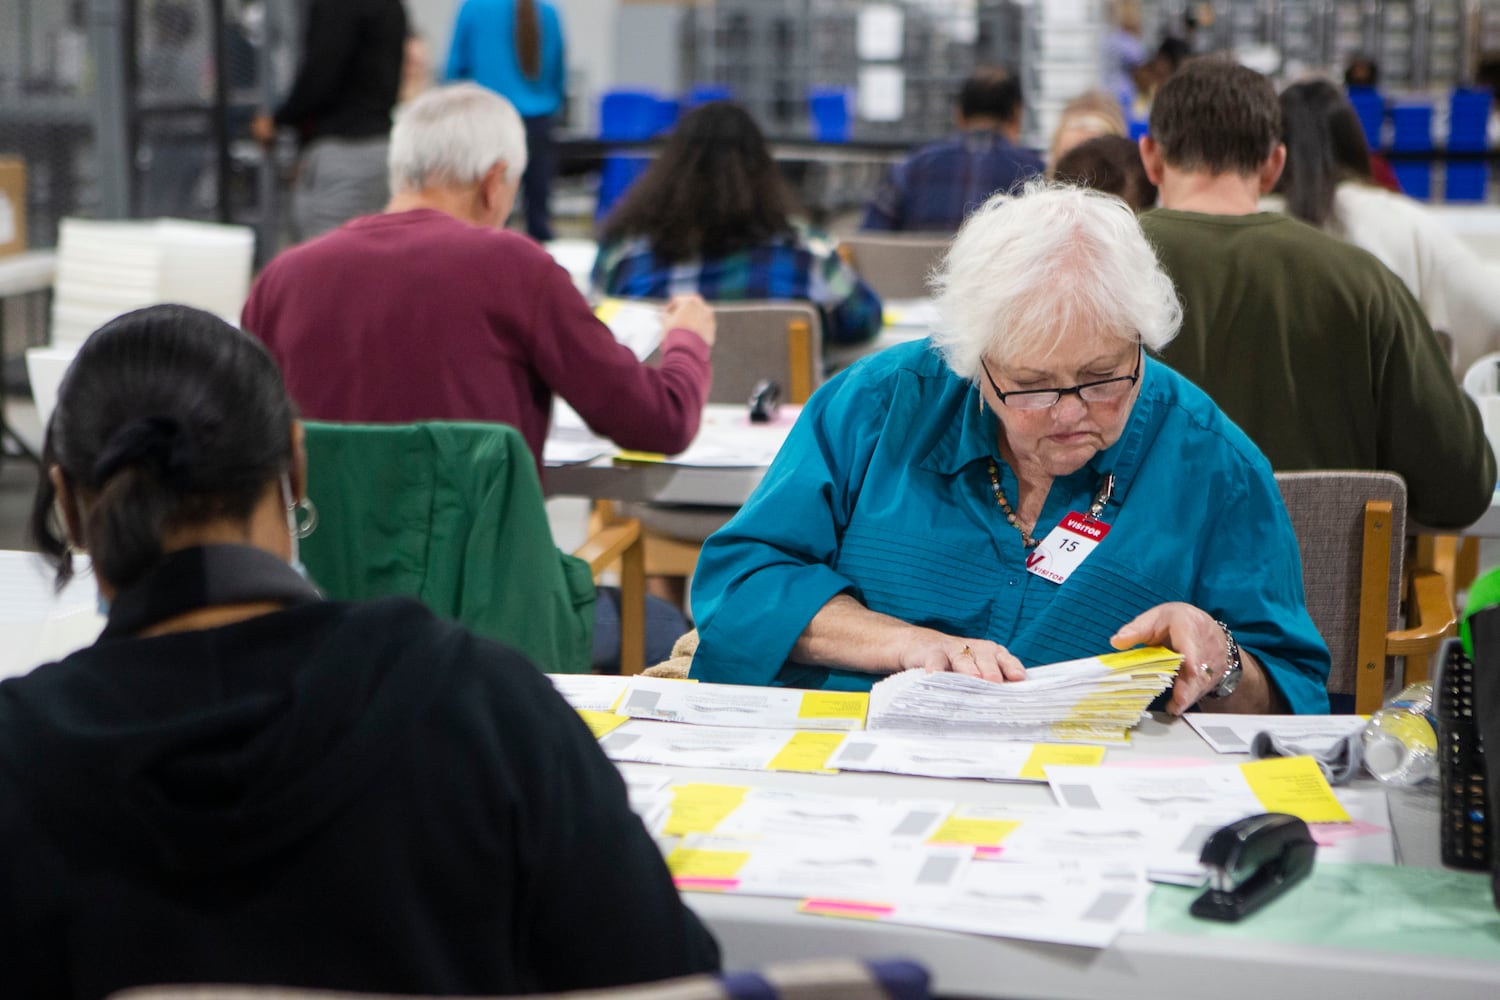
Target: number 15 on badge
1066 547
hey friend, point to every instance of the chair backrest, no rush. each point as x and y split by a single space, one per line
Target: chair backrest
815 979
895 265
1351 532
451 514
759 340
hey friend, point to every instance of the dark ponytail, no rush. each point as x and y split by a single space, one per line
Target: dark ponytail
169 417
1325 146
528 39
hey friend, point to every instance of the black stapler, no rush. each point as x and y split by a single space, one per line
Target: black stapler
765 400
1251 862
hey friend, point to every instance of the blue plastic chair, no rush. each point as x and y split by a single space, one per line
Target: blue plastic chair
1413 134
631 116
1468 125
829 107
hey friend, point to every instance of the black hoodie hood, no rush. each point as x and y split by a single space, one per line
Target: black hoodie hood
206 751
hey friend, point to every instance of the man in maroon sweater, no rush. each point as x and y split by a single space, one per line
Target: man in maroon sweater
431 310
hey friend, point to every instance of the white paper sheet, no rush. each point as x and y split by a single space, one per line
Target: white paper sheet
773 813
1066 903
850 868
37 623
590 692
932 756
742 706
878 31
698 746
637 325
1312 733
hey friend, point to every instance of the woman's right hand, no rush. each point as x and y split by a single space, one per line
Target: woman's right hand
937 653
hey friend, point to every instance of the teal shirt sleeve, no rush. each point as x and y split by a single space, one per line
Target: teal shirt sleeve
764 575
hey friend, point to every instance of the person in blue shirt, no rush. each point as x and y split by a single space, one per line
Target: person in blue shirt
934 188
917 517
515 48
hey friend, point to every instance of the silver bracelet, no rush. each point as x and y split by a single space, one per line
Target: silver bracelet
1231 679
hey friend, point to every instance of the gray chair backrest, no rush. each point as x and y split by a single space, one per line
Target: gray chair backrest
896 266
753 343
1327 510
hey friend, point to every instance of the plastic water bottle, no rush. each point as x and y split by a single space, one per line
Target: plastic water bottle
1401 739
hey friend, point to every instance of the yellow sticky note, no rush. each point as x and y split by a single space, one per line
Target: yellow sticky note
1139 657
1059 753
807 752
977 832
700 808
689 862
608 310
835 705
1294 785
602 723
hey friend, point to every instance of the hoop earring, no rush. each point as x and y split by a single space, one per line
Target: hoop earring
308 523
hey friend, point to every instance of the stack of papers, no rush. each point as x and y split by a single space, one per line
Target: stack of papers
105 268
1093 700
637 325
741 706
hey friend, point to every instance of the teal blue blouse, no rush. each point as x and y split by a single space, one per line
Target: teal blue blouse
882 492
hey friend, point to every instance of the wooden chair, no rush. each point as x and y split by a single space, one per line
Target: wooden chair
756 340
896 265
452 514
1351 531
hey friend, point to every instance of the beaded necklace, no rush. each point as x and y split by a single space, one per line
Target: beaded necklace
1106 491
1010 515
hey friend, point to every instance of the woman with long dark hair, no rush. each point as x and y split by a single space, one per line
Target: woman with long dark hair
241 782
713 215
515 48
1328 183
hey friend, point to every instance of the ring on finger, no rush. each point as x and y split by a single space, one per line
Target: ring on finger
1207 671
966 651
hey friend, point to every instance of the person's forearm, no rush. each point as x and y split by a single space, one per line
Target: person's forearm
844 633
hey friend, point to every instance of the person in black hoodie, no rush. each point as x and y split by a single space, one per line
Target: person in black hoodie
241 782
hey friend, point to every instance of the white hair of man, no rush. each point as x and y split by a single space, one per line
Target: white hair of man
453 135
1028 270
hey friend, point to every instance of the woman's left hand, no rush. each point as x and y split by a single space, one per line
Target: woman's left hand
1189 631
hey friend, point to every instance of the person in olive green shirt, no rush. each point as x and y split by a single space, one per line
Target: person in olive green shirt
1311 345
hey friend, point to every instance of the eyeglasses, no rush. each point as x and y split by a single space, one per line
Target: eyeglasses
1103 391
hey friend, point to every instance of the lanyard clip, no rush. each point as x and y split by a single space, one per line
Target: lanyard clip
1106 490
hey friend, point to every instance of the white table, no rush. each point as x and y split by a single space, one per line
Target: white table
755 931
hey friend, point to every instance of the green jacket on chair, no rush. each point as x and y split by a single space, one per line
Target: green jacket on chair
451 514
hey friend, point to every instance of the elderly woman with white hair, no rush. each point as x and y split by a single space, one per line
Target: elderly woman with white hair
1027 486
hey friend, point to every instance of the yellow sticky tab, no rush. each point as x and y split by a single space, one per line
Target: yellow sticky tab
835 705
700 808
1145 656
602 723
690 862
1059 753
608 310
1294 785
807 752
639 456
975 832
